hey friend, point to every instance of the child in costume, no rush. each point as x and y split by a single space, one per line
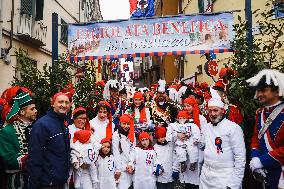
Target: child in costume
185 136
164 151
102 125
143 160
106 166
123 143
84 154
140 113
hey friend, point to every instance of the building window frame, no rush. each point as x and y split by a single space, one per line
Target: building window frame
64 32
279 8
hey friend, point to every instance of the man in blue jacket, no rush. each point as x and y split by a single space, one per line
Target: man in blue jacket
48 161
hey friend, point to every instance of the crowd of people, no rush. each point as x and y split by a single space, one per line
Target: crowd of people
144 139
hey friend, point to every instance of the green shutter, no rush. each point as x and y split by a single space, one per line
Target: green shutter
64 32
39 10
27 7
201 6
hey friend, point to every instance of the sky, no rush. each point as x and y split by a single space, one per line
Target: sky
114 9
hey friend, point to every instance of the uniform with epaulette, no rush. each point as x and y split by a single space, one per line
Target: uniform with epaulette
267 142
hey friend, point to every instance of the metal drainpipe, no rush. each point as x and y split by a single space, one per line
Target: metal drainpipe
12 28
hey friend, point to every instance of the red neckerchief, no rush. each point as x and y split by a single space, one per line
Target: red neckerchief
149 148
142 117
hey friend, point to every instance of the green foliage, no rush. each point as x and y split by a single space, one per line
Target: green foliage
87 93
248 59
39 82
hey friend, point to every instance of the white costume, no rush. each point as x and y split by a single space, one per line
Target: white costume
72 129
143 162
99 128
84 154
224 156
187 147
148 116
203 121
106 171
165 156
186 151
122 148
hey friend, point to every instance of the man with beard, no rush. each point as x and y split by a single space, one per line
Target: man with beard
14 139
224 154
163 112
111 94
267 143
49 147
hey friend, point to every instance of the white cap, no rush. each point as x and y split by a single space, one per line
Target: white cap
216 102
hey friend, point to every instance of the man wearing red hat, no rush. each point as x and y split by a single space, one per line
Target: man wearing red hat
49 146
14 138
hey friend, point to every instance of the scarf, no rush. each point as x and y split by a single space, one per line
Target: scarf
163 144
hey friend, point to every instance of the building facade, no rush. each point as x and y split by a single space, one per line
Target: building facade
162 67
31 23
194 63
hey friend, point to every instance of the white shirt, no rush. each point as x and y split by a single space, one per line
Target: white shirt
165 159
230 153
99 128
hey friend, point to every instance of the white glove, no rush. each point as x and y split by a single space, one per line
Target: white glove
255 164
261 172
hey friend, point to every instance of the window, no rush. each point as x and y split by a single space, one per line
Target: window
64 32
33 8
279 8
27 7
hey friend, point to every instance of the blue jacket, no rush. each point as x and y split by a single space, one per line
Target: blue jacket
49 150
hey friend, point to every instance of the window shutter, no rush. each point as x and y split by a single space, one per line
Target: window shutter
201 6
39 10
27 7
64 32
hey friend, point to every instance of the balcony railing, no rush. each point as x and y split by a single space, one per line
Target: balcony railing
30 30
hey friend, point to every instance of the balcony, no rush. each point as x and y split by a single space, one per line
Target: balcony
30 30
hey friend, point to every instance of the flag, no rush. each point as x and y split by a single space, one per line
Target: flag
114 64
125 67
130 59
142 8
114 67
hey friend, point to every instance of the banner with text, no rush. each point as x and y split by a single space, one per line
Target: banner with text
198 34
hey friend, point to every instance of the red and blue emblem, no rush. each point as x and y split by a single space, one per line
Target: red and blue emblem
218 143
110 165
92 154
149 158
